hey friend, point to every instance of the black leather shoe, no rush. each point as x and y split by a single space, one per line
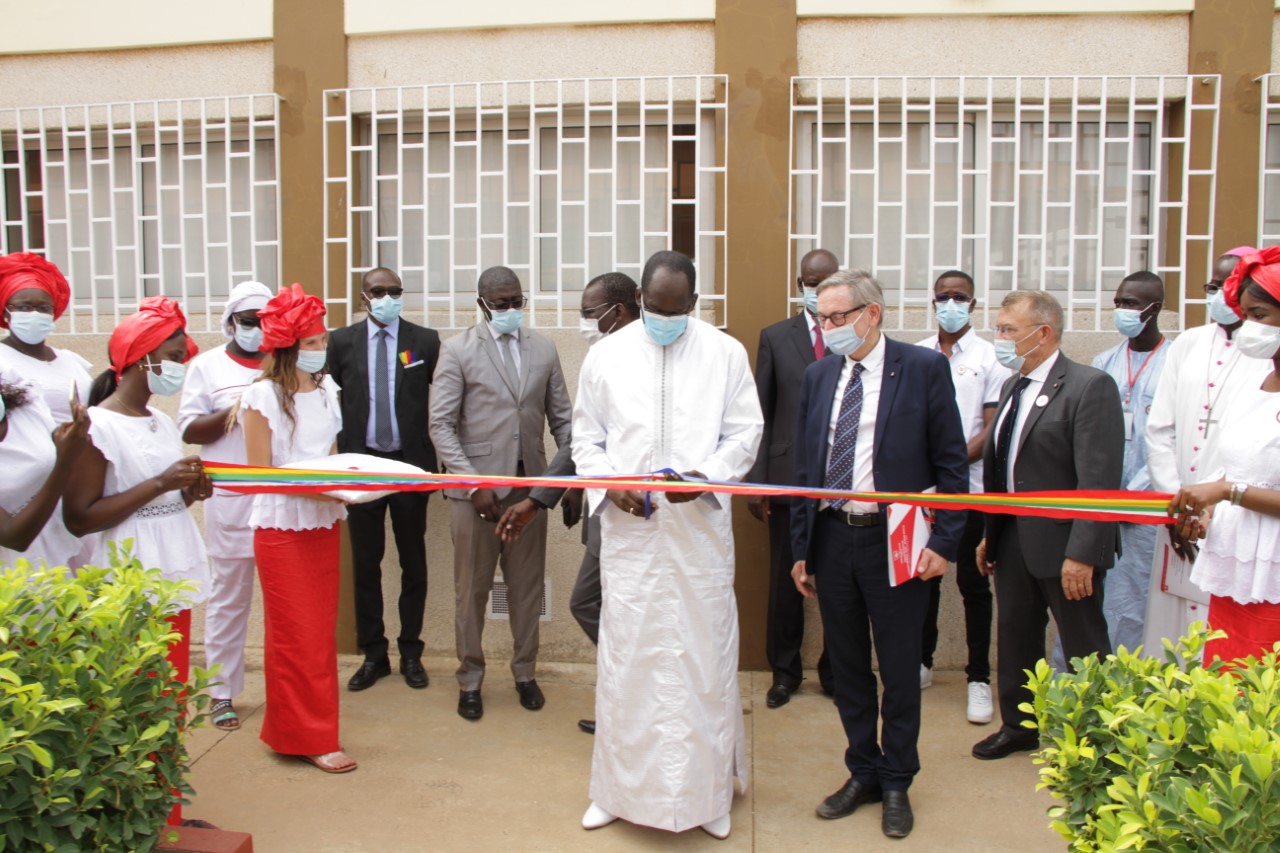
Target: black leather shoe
778 695
1005 742
469 705
588 726
851 795
897 819
531 698
369 673
414 675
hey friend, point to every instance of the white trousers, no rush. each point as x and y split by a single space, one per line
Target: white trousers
226 623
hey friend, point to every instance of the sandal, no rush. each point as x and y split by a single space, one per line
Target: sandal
224 716
326 762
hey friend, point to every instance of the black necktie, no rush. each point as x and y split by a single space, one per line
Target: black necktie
845 445
1004 438
382 388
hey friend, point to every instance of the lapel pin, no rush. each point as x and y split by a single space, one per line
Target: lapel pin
1042 400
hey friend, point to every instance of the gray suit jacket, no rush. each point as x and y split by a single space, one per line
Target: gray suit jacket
479 424
1075 441
785 351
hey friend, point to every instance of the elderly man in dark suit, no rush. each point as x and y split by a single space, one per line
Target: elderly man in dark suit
498 386
880 417
383 364
1059 426
786 349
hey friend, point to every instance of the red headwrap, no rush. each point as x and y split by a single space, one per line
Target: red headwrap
290 316
138 334
1263 267
25 271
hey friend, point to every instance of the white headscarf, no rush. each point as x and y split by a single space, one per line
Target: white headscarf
245 296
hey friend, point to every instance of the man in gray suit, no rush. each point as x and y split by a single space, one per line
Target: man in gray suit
786 349
1059 426
496 388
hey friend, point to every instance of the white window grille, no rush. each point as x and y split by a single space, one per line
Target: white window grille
1269 185
560 180
1064 184
176 198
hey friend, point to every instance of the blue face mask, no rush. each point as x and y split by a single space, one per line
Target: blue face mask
386 309
30 327
811 299
311 360
952 316
168 381
508 321
844 340
1129 322
1220 312
663 330
1007 351
249 338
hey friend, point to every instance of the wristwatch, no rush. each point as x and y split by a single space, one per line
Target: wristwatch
1236 495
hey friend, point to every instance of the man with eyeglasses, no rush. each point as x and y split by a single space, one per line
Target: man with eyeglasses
674 393
384 364
786 349
1202 372
497 387
978 378
608 306
1059 427
880 417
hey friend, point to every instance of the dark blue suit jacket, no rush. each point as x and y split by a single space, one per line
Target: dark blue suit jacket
919 441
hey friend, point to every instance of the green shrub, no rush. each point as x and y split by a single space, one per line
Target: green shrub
1162 755
92 719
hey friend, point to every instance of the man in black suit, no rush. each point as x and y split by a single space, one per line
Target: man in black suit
1059 426
383 365
880 417
786 349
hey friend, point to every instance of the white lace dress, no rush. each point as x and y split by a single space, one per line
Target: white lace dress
27 455
310 435
164 534
1240 558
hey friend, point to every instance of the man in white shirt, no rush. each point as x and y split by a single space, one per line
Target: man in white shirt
1202 372
978 378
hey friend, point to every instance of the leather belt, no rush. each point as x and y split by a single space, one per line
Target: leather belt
853 519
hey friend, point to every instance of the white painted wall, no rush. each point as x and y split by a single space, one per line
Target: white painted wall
64 25
364 17
895 8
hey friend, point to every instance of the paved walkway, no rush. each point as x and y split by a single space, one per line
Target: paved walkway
429 780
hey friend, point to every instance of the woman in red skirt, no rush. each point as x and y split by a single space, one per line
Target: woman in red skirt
289 415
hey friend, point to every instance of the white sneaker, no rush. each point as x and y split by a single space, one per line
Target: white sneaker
597 817
979 711
926 677
718 828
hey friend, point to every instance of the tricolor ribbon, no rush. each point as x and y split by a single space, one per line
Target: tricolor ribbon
1134 507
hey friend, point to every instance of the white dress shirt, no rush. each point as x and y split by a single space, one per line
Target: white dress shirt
1030 396
371 430
864 449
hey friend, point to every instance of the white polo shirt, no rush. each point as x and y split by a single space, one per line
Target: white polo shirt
978 378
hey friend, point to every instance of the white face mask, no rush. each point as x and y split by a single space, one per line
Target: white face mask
168 381
30 327
590 328
1257 340
249 338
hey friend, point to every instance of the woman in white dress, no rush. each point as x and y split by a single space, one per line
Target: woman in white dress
34 294
36 458
290 415
1239 562
215 380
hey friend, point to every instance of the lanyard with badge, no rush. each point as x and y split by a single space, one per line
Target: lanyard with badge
1133 378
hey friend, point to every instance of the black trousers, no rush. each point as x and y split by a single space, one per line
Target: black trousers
859 610
366 524
975 591
1025 604
784 632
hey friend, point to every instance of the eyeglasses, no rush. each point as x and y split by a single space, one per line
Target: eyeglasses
247 322
661 313
839 318
1212 287
952 297
379 292
590 313
42 308
504 305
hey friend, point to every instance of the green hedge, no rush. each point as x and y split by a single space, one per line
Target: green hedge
1162 755
92 719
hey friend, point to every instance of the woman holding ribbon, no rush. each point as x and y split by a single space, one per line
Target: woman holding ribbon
132 480
1239 562
289 415
215 381
34 294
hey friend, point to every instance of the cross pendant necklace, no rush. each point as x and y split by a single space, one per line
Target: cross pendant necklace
1211 399
1207 421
